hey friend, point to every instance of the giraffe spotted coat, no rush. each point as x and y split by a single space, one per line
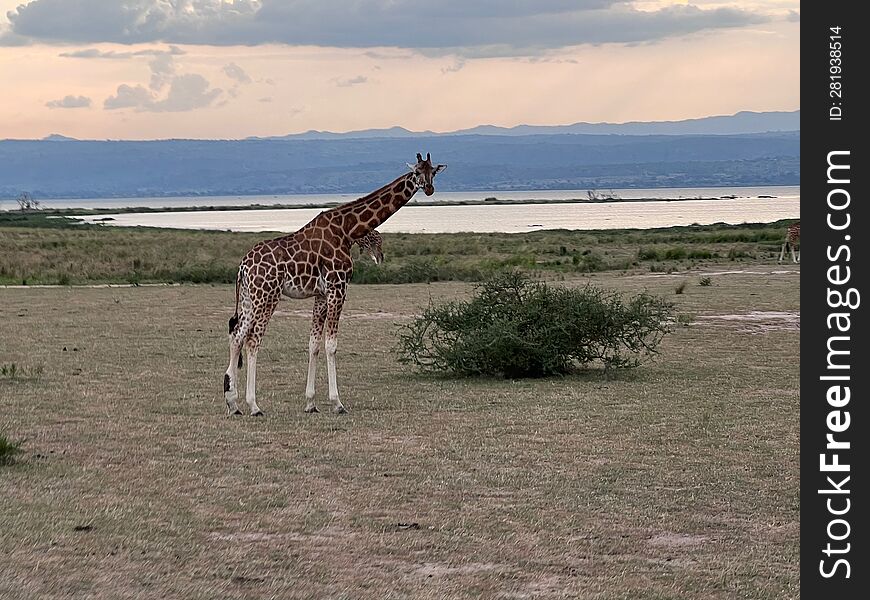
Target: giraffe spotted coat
314 262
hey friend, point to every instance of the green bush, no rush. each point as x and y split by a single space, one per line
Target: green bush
514 327
8 450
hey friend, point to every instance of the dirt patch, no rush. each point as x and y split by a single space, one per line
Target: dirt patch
754 322
677 540
716 273
442 570
254 536
362 316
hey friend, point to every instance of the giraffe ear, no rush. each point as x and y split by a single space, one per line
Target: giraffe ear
438 169
410 166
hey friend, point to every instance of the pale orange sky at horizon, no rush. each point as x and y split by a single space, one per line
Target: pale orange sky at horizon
206 91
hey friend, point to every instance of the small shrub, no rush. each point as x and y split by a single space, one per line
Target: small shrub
677 253
514 327
681 287
647 254
591 263
685 319
8 450
705 282
12 372
734 254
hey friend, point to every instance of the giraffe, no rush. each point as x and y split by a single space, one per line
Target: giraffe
792 239
372 243
314 261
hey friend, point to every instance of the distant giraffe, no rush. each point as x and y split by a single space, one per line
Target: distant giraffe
314 261
792 239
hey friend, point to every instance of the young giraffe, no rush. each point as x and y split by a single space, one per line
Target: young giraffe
314 261
792 239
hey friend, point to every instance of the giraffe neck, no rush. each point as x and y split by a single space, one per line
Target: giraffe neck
361 216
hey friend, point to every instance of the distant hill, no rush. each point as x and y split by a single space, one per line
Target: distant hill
94 169
742 122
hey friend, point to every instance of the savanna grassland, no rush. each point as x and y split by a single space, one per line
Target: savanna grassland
678 479
38 248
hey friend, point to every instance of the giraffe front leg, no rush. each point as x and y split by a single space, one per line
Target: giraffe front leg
313 351
782 252
334 301
331 348
317 320
251 393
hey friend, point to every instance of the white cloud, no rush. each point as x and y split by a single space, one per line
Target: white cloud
129 97
457 65
234 71
186 92
351 81
162 71
70 102
112 54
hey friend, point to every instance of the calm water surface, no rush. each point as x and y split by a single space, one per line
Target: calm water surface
494 218
449 197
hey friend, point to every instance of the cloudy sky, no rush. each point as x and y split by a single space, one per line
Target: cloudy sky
144 69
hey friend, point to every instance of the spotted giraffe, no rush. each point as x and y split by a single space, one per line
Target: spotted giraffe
372 243
315 261
792 239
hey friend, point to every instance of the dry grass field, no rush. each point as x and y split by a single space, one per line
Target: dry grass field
675 480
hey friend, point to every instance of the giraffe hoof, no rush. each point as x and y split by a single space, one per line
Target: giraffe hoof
340 410
311 409
258 413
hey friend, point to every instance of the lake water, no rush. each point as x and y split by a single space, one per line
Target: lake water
749 205
789 191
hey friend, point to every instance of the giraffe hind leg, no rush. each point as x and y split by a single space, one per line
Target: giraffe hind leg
239 332
231 377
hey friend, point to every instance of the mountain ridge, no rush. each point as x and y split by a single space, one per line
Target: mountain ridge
743 122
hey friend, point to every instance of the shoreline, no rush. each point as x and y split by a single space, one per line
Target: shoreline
85 212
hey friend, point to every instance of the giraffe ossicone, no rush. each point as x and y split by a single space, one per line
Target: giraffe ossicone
315 261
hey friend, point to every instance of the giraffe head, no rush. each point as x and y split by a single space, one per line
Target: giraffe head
424 173
371 243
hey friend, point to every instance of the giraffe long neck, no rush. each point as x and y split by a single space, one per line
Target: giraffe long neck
363 215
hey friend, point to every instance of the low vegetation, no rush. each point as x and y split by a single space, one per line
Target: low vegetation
38 248
8 450
514 327
13 371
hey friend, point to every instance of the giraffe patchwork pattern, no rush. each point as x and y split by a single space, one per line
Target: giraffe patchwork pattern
312 262
792 239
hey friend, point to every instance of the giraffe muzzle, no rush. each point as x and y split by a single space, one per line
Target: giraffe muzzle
428 189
